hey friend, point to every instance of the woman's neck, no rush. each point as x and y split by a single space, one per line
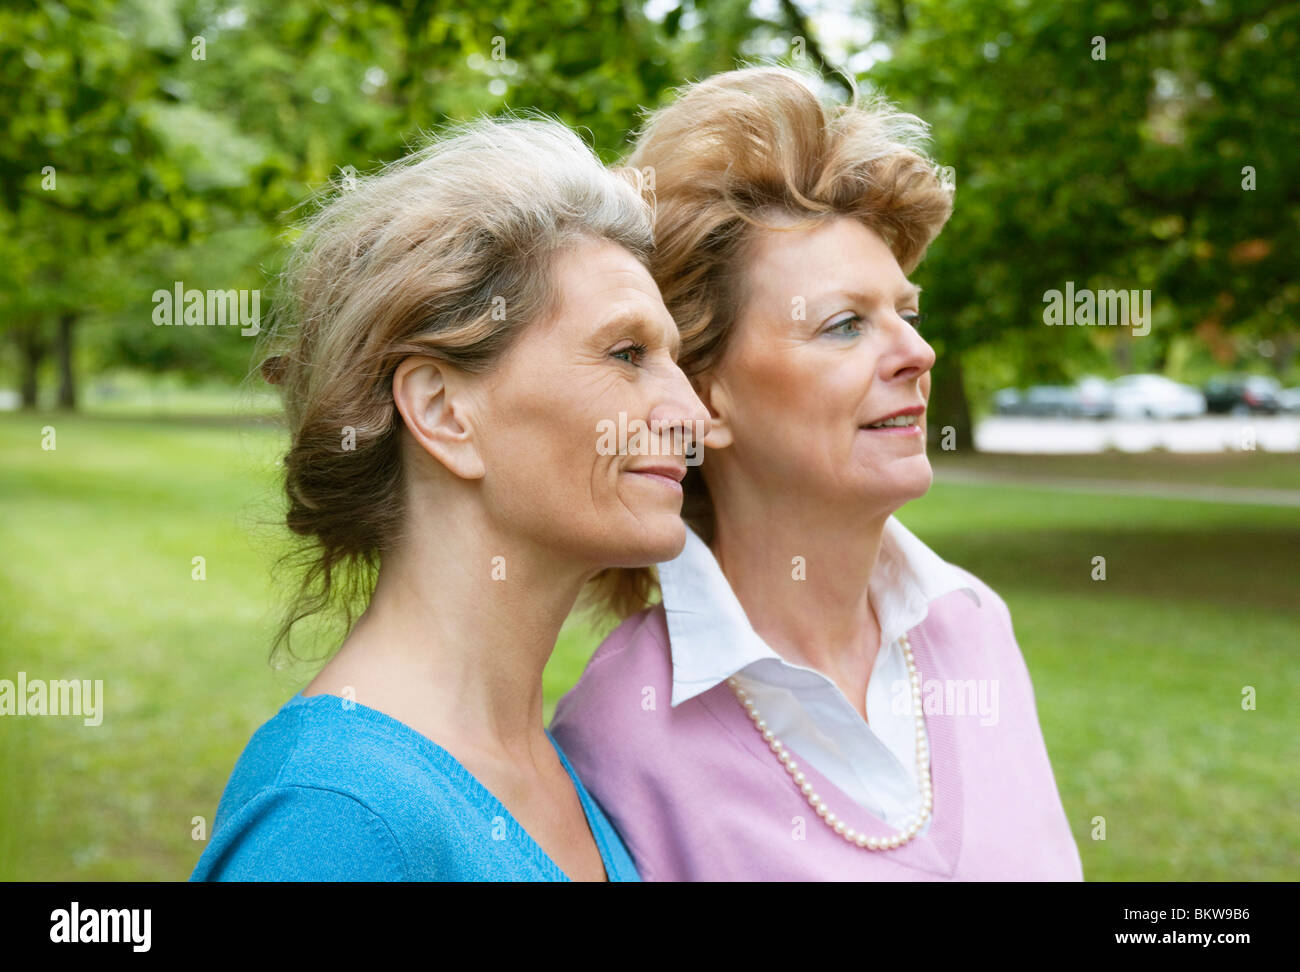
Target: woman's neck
457 634
801 570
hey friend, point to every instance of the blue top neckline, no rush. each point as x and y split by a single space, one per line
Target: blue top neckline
450 764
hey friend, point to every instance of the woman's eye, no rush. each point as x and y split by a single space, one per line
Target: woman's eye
846 325
632 354
914 318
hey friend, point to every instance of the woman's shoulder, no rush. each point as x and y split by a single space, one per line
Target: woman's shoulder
293 832
985 613
636 653
976 632
641 638
627 676
986 595
334 743
328 789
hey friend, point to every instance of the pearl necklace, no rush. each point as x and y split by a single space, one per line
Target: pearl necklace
915 823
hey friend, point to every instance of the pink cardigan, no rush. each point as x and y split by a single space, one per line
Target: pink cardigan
697 795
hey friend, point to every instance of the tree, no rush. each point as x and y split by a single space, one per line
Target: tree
1108 145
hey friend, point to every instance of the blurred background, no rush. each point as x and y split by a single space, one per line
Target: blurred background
1145 148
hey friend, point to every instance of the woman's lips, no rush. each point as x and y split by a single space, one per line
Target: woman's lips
917 429
667 476
905 430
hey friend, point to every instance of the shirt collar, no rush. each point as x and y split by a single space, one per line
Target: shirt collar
711 638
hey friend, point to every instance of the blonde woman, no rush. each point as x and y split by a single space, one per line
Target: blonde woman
819 695
461 326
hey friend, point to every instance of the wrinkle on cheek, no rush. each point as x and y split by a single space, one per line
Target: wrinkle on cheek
838 466
614 483
604 478
598 386
629 510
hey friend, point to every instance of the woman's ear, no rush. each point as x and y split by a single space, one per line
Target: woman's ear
434 402
713 394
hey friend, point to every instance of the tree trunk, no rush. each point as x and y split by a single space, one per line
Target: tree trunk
1122 354
32 350
1286 351
949 408
67 383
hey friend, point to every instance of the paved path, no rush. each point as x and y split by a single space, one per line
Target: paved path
1125 487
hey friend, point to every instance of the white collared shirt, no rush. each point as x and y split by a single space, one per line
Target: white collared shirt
873 762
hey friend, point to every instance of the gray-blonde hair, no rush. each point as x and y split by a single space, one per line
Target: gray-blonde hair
446 253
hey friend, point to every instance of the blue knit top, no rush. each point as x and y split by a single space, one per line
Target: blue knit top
332 790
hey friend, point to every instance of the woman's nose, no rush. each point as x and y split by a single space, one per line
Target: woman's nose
679 409
911 350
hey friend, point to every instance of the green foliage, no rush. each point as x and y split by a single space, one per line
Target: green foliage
185 137
1125 172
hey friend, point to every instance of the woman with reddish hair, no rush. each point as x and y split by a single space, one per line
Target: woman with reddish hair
818 695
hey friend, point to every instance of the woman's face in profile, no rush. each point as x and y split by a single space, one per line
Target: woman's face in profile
825 346
606 356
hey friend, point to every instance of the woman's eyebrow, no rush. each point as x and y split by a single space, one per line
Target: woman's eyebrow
833 300
635 321
909 292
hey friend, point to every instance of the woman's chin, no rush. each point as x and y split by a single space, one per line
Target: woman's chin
893 490
913 487
660 539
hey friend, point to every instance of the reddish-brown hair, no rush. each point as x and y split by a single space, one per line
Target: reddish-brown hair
757 147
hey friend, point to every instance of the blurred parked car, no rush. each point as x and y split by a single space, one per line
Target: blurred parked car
1006 401
1289 399
1096 400
1090 398
1039 400
1155 396
1244 394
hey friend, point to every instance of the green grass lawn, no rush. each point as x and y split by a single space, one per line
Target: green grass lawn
1251 469
1138 677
